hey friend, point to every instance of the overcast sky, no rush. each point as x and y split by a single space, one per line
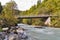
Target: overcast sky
22 4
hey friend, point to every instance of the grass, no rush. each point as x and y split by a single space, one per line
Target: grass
0 29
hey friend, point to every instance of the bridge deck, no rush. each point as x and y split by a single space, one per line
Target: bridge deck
40 16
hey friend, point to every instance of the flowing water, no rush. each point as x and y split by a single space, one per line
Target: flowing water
42 34
46 33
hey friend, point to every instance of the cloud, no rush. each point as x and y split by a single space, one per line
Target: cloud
22 4
3 2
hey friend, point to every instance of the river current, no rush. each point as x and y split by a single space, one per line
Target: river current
46 33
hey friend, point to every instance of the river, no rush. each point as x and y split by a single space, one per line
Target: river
46 33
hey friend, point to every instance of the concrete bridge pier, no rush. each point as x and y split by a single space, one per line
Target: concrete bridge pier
48 21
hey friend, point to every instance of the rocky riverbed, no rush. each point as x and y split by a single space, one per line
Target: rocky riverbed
46 33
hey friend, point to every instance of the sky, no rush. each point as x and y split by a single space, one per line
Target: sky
22 4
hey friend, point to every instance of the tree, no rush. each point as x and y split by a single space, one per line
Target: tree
0 7
47 7
8 16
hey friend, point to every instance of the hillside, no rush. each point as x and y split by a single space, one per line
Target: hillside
47 7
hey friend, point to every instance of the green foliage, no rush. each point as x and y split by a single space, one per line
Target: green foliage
0 29
0 7
8 17
37 22
27 21
47 7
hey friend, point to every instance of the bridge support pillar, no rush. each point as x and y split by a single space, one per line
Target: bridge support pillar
48 21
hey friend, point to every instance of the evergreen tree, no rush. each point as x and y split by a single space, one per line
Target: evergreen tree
0 7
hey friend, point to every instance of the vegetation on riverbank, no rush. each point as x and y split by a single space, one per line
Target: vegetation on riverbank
47 7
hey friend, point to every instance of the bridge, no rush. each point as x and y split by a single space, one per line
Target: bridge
47 17
38 16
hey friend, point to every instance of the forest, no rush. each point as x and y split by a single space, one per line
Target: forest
9 12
